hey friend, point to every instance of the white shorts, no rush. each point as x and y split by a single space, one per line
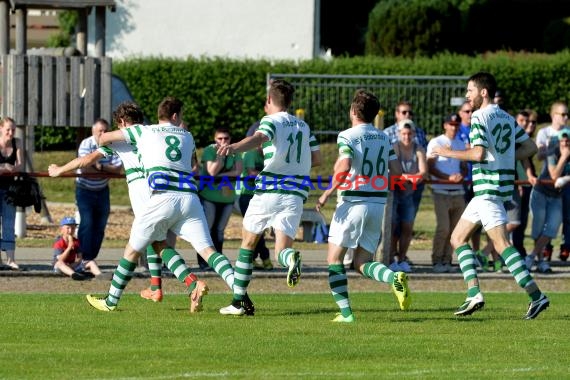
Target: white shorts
489 213
139 195
281 211
181 213
357 224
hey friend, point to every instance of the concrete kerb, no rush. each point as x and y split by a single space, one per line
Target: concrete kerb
37 262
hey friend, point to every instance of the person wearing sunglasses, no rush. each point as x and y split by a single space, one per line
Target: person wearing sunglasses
404 111
547 141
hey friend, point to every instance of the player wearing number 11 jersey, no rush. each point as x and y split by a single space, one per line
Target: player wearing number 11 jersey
289 152
493 136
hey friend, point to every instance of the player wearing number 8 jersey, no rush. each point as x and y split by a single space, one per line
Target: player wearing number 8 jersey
165 152
493 136
364 152
289 151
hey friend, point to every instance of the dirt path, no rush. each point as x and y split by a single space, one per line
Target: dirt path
37 284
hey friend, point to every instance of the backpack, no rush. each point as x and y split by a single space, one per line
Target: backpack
24 191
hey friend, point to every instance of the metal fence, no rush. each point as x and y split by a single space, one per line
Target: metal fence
325 99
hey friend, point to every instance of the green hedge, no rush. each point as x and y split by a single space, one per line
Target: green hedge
224 92
231 93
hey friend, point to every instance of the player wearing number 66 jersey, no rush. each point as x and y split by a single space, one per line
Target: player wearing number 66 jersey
289 150
365 156
493 136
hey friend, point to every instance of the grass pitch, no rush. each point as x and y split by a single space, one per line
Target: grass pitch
51 336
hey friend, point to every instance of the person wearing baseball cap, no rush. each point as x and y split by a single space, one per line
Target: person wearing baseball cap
67 258
452 119
448 198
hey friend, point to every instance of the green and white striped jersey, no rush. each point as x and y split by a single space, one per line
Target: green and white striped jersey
165 152
497 132
370 151
128 155
286 156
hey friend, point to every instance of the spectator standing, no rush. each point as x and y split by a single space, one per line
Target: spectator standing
403 112
414 167
252 162
448 199
465 112
67 256
92 193
218 199
290 150
546 200
499 99
527 119
546 139
11 162
493 156
357 220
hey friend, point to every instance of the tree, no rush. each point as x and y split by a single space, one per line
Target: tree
67 22
412 28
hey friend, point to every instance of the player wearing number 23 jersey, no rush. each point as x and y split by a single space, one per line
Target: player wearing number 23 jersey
497 132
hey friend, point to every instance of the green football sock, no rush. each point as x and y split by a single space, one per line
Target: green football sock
222 267
339 288
242 273
466 260
285 256
176 264
121 277
517 267
378 271
155 268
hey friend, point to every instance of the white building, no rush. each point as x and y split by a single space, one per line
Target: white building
271 29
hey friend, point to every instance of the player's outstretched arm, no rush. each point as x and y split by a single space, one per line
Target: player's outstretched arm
77 163
109 137
341 171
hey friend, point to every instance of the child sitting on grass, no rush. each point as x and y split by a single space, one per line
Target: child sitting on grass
66 256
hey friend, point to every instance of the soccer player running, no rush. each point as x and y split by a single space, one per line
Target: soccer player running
493 136
165 151
365 156
289 150
126 115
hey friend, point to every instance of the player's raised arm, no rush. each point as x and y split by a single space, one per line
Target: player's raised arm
77 163
109 137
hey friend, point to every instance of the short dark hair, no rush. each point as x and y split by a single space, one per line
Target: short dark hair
484 80
168 107
222 130
102 121
365 105
281 92
128 111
